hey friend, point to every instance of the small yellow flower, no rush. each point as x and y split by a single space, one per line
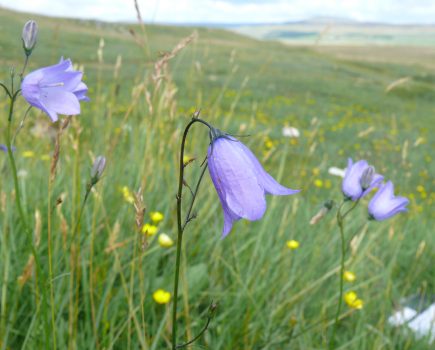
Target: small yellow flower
352 300
149 229
349 276
358 304
268 144
45 157
186 159
318 183
128 197
161 296
420 188
156 217
316 171
292 244
28 154
165 241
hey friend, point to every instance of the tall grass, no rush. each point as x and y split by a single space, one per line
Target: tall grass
105 272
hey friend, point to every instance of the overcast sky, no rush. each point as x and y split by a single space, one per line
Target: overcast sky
233 11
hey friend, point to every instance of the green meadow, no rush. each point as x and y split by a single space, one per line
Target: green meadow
97 271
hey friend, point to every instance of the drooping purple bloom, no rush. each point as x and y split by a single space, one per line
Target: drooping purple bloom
359 179
384 204
55 89
240 181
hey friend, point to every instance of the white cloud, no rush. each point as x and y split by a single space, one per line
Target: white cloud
233 11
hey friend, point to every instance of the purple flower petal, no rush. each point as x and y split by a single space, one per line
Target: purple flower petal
55 89
384 204
240 181
55 100
270 185
351 185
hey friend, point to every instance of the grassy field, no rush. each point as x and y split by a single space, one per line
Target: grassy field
270 297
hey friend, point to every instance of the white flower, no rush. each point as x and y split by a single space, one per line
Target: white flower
336 171
289 131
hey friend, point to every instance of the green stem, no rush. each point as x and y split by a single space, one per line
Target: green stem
342 261
24 66
50 265
340 222
13 165
6 90
13 97
181 226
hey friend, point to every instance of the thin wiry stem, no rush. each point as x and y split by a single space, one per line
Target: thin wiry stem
207 323
181 225
24 66
6 90
21 124
340 223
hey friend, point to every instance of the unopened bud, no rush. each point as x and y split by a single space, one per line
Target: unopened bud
29 36
97 169
196 114
367 177
212 309
327 206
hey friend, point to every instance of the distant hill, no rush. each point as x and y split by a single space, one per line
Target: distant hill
341 31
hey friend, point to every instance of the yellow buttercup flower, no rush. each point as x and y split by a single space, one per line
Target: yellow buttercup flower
268 144
161 296
128 197
149 229
28 154
165 241
156 217
352 300
187 159
349 276
292 244
318 183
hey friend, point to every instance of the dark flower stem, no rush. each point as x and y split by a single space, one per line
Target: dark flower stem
340 223
181 225
6 90
198 336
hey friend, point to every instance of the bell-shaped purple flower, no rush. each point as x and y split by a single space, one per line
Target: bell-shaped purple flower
384 204
240 181
55 89
359 179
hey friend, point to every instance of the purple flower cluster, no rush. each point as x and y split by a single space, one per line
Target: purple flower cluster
240 181
360 178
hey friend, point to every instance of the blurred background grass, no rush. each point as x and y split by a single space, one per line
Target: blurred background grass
344 107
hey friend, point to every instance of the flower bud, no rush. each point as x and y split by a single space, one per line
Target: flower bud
367 177
97 169
327 206
29 36
212 309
